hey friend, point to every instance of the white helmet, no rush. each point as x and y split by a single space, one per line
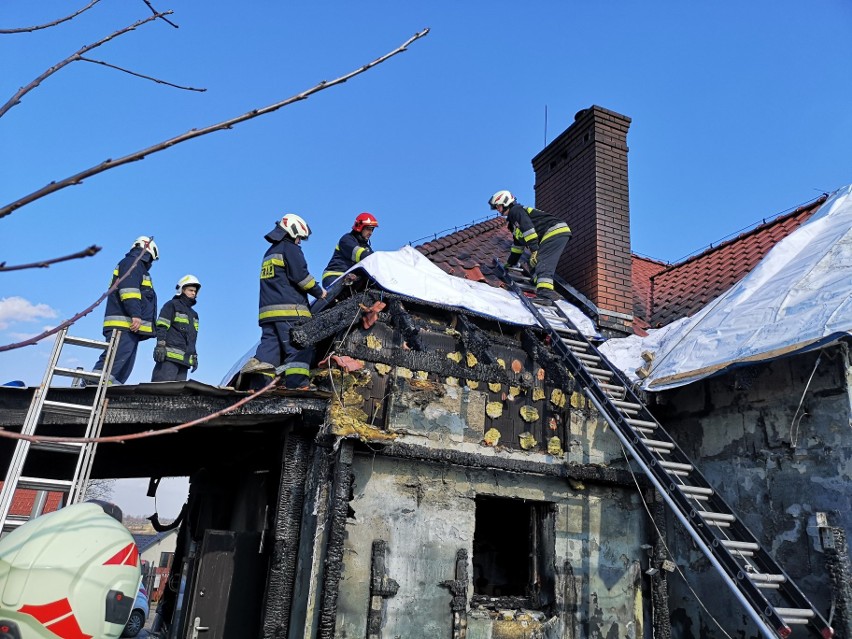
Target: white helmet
145 242
502 198
295 226
187 280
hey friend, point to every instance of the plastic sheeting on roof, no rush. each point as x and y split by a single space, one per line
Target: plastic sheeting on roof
408 272
799 297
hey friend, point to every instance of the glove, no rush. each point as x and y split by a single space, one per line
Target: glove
533 259
194 363
160 352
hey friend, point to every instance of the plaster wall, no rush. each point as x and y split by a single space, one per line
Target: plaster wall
776 463
426 513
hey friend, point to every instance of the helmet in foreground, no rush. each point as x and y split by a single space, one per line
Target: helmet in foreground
365 220
295 226
145 242
501 198
187 280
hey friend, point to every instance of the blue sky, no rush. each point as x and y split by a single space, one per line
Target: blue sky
740 111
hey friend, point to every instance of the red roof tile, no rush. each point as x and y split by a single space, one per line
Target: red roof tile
682 289
24 498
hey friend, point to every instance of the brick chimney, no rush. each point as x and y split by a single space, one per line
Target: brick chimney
581 177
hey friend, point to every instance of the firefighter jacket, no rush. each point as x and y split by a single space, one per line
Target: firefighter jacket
177 326
530 227
351 249
134 297
285 281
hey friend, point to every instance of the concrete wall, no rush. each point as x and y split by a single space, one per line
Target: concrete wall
775 467
425 513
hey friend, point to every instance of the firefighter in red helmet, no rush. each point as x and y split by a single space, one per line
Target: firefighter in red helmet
353 247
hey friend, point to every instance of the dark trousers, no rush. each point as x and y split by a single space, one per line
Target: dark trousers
125 355
277 349
548 257
169 372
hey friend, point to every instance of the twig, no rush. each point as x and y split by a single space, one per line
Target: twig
88 252
117 439
194 133
16 99
153 10
34 340
49 24
139 75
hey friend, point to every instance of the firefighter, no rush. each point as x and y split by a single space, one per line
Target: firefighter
131 308
284 286
351 249
177 332
542 233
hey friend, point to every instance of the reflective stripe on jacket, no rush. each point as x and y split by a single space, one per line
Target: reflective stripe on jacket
135 296
530 227
177 326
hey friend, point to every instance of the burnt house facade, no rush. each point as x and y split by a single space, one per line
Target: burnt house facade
450 479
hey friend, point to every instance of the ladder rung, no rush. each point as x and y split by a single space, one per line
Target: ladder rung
599 372
694 491
644 431
564 329
796 621
641 423
712 517
574 343
676 466
41 483
14 521
65 408
796 612
85 341
763 578
70 372
626 406
654 444
58 447
740 545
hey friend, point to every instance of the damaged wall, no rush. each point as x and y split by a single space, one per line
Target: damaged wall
778 466
426 513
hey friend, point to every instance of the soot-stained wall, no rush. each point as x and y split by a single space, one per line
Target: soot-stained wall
784 468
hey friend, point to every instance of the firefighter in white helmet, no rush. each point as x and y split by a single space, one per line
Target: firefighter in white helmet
285 283
177 333
131 307
543 234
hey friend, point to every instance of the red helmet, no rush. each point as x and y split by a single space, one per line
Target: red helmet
365 220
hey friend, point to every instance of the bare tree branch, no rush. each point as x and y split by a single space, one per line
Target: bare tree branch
153 10
145 434
194 133
34 340
88 252
16 99
139 75
49 24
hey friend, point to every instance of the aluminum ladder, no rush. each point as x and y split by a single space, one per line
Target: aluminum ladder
744 565
75 487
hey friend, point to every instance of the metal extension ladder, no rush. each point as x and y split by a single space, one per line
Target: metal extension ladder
746 568
75 487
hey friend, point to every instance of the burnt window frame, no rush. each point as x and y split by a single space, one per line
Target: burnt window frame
539 545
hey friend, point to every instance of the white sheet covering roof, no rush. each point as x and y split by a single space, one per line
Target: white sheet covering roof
797 298
409 273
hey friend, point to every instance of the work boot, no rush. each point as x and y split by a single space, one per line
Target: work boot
254 365
547 294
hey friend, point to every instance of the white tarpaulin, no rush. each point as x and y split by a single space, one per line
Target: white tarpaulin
798 297
409 273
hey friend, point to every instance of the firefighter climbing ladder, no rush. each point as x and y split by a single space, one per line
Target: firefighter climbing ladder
745 567
75 487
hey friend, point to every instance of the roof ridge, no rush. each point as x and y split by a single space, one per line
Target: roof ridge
457 235
760 227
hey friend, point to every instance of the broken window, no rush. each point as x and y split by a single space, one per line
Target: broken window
513 552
